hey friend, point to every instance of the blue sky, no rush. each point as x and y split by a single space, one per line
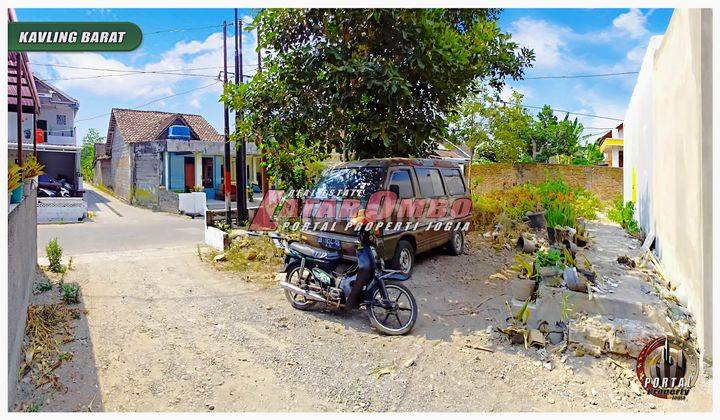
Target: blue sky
566 42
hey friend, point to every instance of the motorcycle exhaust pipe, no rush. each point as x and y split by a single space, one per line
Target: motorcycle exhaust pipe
306 294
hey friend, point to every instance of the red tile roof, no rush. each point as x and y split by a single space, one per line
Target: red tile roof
136 125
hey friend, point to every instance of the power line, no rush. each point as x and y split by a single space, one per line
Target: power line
130 74
572 113
117 70
580 76
152 102
175 72
162 31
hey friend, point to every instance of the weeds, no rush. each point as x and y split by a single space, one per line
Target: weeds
70 293
223 226
623 214
48 327
253 256
565 203
44 286
53 250
566 309
548 258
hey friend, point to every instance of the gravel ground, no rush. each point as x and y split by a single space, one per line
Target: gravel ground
167 332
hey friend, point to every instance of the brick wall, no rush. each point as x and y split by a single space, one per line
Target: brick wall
605 182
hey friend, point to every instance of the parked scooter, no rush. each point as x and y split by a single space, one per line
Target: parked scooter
45 192
311 278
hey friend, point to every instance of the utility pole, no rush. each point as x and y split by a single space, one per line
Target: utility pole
240 151
226 166
263 172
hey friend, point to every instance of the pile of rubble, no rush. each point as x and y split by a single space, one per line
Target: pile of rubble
614 305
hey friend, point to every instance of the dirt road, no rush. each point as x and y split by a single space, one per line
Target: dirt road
167 332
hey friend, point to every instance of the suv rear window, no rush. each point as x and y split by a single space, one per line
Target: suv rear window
453 181
430 182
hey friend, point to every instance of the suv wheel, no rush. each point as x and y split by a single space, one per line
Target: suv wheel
404 259
457 243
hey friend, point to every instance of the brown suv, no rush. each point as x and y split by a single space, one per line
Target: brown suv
418 226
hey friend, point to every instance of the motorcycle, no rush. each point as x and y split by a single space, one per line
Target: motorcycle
311 277
45 192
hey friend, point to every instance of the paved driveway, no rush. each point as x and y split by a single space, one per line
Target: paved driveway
120 227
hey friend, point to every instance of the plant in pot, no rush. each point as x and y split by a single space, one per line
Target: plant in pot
15 187
516 329
536 217
31 169
581 237
559 333
524 286
549 266
559 216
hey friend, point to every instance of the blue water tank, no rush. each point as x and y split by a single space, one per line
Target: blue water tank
180 132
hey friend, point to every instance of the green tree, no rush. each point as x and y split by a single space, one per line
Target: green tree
589 154
493 130
550 136
368 82
87 153
510 126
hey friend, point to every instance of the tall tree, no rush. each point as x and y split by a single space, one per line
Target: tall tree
87 153
550 136
369 82
494 130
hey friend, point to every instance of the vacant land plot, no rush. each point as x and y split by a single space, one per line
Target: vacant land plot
166 331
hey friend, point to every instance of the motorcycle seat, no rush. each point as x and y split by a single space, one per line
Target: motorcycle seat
312 252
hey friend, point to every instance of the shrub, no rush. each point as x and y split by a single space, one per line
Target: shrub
623 214
43 286
224 226
563 202
548 258
514 203
560 214
54 255
70 293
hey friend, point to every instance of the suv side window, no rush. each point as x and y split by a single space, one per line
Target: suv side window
402 179
430 182
453 181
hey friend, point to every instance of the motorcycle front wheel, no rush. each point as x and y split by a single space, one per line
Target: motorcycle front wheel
398 321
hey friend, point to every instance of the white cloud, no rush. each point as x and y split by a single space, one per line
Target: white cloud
205 56
632 23
547 40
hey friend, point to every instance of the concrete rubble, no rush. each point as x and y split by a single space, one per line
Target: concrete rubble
626 305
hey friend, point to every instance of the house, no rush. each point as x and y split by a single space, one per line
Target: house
50 136
51 133
151 156
611 145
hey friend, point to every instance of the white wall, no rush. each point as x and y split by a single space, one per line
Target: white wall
671 128
27 124
638 141
49 113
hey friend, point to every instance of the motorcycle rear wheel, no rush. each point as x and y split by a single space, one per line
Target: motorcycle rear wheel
397 322
298 301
